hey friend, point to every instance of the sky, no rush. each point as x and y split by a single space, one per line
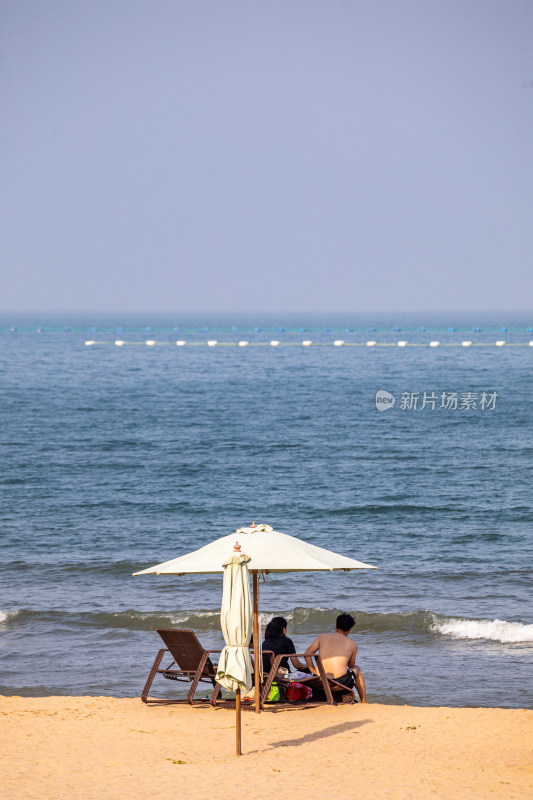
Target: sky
313 155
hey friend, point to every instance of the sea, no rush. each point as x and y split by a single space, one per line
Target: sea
414 458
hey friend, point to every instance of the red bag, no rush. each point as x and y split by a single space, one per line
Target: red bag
298 691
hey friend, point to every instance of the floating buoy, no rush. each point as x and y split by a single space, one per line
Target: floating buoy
500 343
150 342
180 342
119 342
89 342
402 344
451 330
466 344
371 344
477 330
434 344
243 343
274 343
212 342
176 330
338 342
307 342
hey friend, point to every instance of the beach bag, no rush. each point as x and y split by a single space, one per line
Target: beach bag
298 691
276 694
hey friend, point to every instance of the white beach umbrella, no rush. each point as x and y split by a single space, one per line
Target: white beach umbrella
269 551
234 670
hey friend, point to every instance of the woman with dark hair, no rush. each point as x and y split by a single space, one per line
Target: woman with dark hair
278 642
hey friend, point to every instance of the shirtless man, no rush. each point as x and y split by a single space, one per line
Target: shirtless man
338 653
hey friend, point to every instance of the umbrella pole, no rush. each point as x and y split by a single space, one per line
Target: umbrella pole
256 645
238 720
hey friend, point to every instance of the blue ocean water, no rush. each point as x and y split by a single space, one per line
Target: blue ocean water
117 458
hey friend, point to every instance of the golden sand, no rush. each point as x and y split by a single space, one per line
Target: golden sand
102 747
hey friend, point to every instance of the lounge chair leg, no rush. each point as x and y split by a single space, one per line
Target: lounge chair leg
214 695
197 676
151 676
360 686
270 677
325 682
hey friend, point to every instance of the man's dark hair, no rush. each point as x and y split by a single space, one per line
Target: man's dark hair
345 622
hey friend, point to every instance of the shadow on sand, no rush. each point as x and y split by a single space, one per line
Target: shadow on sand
333 730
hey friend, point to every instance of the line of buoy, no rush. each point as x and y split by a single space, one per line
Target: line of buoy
309 343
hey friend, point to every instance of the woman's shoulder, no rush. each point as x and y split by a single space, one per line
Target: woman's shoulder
279 642
288 643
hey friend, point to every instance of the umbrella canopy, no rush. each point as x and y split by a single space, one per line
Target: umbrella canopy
269 551
236 619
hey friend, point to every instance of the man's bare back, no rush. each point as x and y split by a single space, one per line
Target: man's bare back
337 652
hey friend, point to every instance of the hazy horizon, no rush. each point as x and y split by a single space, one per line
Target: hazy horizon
230 312
242 320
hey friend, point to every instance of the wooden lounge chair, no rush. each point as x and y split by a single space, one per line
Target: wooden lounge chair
329 686
191 663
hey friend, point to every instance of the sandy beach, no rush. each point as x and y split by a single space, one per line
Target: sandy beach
86 747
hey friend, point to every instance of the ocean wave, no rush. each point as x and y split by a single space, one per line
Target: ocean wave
302 621
391 508
400 510
496 630
129 619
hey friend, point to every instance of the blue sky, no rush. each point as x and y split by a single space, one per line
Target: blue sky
281 156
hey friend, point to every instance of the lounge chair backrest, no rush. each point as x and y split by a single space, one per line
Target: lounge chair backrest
185 649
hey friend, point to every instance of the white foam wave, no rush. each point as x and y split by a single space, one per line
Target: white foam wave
3 616
496 630
185 616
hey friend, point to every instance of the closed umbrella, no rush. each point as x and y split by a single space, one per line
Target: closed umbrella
234 666
269 551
